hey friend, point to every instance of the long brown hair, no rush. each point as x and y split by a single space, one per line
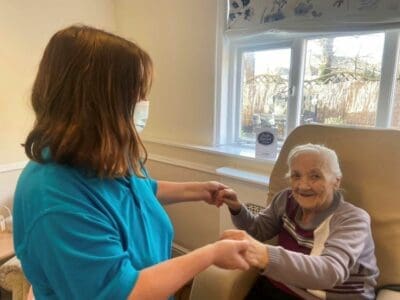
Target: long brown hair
84 97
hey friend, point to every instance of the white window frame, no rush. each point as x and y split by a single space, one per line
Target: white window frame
229 88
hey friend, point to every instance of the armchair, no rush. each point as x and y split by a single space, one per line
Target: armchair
370 162
12 279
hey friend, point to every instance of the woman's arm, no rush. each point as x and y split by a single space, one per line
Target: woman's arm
164 279
262 226
173 192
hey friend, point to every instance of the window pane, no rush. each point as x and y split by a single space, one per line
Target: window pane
265 82
341 81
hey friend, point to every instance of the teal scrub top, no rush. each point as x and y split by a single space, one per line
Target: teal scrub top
82 237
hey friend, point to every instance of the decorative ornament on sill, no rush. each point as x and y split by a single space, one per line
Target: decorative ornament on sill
266 143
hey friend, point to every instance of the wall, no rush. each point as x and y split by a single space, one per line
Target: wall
25 28
180 36
195 224
198 223
8 179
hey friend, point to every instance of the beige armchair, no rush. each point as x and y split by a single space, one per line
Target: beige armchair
370 161
13 280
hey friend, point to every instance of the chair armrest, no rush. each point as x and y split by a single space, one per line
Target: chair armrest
386 294
12 279
216 283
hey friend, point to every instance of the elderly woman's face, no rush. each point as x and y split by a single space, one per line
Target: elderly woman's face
312 181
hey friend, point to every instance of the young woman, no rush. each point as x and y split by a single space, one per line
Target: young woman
88 219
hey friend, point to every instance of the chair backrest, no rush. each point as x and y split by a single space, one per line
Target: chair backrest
370 163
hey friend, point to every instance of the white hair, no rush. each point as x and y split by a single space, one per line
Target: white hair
327 154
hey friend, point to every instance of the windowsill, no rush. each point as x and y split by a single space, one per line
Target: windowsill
234 162
243 175
243 152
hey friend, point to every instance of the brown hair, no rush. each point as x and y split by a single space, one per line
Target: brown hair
84 97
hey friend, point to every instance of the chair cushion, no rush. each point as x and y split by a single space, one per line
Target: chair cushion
385 294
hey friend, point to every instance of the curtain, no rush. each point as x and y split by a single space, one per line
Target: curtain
254 16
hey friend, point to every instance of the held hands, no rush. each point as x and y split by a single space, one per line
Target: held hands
229 197
230 254
236 249
256 254
210 192
216 193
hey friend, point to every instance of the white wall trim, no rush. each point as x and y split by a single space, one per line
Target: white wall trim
244 175
182 163
12 166
241 175
243 153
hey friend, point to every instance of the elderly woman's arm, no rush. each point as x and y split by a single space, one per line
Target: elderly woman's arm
340 252
262 226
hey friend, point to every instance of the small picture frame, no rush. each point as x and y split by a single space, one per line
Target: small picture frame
266 143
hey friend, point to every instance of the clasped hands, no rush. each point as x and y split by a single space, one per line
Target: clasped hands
256 254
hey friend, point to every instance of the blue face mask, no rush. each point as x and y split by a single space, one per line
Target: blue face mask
141 114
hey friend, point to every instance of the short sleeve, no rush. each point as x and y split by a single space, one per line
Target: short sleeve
154 185
84 257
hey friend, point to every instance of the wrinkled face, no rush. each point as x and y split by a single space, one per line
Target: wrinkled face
312 181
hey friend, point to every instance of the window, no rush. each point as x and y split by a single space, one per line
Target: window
264 91
283 82
341 82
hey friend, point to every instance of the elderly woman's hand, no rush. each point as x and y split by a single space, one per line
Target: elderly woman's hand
229 197
256 254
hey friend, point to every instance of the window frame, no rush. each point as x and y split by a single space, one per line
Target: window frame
234 45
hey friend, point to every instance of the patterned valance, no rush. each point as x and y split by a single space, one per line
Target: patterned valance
312 15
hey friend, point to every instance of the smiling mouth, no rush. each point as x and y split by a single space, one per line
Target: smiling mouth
305 195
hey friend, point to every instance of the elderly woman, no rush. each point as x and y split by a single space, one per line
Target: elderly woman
326 249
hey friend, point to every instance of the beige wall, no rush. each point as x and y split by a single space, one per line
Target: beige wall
180 37
8 181
198 223
195 224
25 28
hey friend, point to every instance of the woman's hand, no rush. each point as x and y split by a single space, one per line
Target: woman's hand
229 254
156 282
229 197
256 254
210 191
